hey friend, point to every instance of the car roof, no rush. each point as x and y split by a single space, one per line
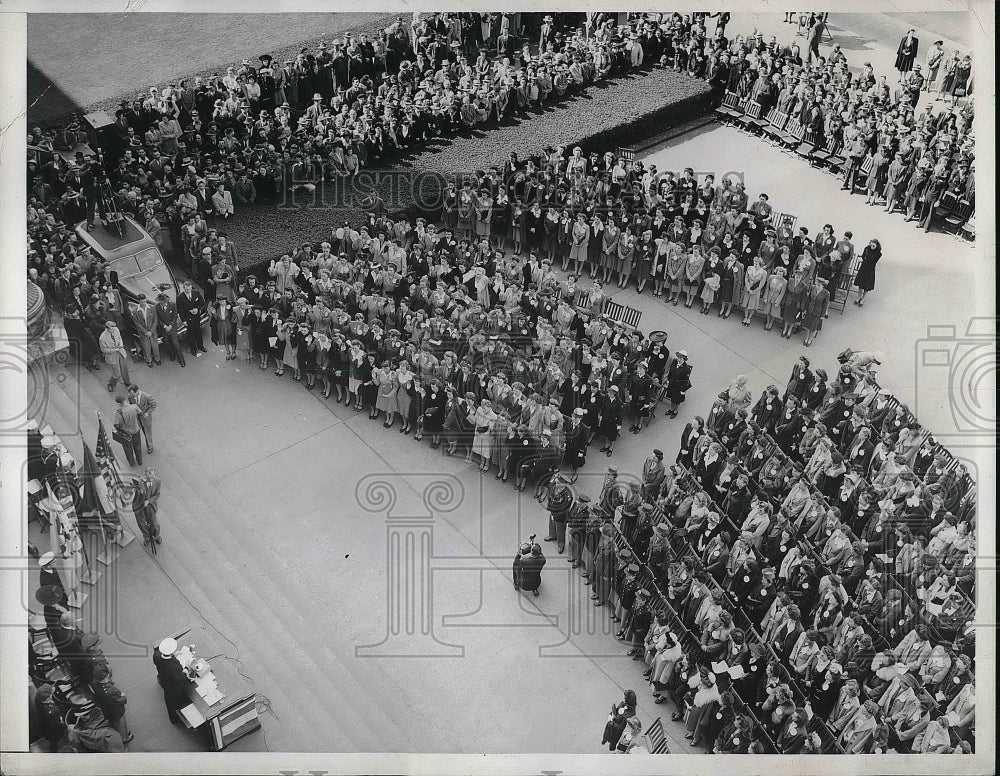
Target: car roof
105 241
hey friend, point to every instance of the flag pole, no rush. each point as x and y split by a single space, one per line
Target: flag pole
100 517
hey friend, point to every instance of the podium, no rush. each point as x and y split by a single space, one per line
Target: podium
229 714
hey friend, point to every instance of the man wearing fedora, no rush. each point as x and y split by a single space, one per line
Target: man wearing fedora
115 355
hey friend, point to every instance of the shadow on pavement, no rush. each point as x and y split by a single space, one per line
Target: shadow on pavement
47 103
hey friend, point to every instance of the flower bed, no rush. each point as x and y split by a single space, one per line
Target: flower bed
606 116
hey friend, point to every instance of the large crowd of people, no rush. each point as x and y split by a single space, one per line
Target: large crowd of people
900 157
802 578
817 542
331 111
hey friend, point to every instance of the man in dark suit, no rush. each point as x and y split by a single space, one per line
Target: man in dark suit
146 404
190 304
169 322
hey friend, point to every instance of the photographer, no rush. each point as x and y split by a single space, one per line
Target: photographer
528 565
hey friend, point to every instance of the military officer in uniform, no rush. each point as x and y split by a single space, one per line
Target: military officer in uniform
171 678
577 436
560 502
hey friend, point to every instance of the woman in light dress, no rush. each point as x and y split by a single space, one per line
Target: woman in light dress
774 295
753 287
385 399
405 390
483 419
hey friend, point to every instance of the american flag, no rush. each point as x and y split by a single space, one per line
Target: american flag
96 504
106 459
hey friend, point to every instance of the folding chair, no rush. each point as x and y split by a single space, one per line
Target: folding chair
807 145
656 741
730 107
793 133
821 156
776 121
751 112
959 215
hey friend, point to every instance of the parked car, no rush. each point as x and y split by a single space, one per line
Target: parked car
133 255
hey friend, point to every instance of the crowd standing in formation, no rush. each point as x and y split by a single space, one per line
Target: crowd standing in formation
801 579
902 158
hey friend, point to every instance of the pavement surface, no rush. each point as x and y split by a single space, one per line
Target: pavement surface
77 60
275 506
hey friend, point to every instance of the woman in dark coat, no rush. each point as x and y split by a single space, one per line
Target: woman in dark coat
434 404
865 279
223 321
693 431
307 354
366 376
612 414
621 713
263 326
678 382
791 306
906 52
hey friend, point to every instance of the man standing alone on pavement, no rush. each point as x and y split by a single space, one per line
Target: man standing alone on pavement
115 355
146 405
127 421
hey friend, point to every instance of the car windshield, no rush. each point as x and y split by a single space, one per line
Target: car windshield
142 262
148 258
